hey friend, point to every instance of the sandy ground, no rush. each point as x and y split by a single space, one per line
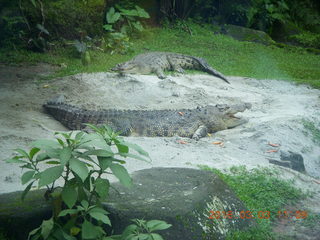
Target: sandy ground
278 108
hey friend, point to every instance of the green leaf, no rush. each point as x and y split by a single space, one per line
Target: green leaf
130 155
112 16
102 187
46 227
50 175
141 12
99 152
42 157
122 174
65 155
100 210
104 162
136 148
45 144
15 159
69 195
33 152
89 231
122 148
60 142
85 204
79 168
156 236
26 190
53 162
33 232
54 152
33 3
68 211
108 27
22 152
100 217
27 176
137 25
155 225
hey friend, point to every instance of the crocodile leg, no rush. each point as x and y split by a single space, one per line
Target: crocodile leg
160 73
202 131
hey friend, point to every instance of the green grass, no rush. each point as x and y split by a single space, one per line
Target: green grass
224 53
260 190
312 129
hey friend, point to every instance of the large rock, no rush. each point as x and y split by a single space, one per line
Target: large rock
182 197
246 34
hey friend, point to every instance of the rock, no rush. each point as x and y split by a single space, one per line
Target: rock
295 159
181 197
290 160
246 34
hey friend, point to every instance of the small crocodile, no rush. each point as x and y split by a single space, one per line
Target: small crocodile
158 62
192 123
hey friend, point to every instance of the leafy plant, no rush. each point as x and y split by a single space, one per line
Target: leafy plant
142 229
121 23
81 161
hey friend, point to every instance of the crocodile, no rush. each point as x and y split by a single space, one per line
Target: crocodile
158 62
192 123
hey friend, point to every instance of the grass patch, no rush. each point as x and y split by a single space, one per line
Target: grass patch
260 190
227 55
312 129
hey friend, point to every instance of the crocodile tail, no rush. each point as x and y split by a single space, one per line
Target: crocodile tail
207 68
70 116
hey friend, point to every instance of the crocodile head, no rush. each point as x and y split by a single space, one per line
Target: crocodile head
127 67
225 118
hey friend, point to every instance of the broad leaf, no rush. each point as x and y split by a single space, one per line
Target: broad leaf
54 152
122 174
45 144
42 157
79 168
26 190
22 152
156 236
69 195
100 217
50 175
15 159
68 211
65 155
33 151
46 227
89 231
112 16
141 12
137 25
27 176
99 152
104 162
102 187
108 27
155 225
130 155
136 148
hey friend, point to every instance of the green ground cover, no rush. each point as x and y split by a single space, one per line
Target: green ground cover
260 190
231 57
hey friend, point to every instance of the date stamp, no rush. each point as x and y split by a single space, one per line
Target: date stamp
299 214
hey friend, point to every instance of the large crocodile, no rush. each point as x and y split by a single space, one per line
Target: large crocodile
158 62
193 123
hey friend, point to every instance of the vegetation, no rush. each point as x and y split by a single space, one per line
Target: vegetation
82 161
226 54
260 190
312 129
